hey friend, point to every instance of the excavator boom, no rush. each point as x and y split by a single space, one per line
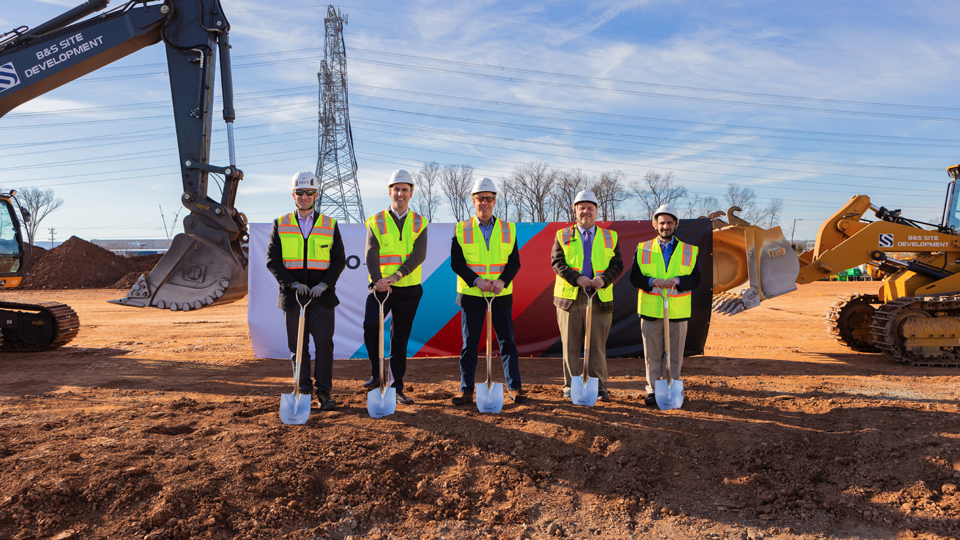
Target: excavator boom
205 264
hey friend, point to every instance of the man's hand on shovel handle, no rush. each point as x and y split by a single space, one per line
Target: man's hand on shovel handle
383 285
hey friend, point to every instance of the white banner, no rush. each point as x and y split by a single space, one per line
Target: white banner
267 330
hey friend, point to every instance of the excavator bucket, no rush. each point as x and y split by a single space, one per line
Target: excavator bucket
194 273
761 259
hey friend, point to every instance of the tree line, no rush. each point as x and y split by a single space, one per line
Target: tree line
536 191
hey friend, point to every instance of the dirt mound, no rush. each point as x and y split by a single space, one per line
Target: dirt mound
143 264
77 264
37 252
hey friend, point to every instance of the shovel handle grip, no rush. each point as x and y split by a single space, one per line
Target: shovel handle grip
383 363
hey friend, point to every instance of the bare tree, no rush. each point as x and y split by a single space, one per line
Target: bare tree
507 200
610 192
534 181
769 215
456 182
40 203
656 189
701 206
427 200
746 200
565 192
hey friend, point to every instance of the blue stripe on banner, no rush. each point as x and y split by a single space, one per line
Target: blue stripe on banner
526 231
439 303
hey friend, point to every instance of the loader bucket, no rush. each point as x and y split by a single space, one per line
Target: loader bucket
760 259
194 273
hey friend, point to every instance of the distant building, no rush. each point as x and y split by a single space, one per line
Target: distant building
132 248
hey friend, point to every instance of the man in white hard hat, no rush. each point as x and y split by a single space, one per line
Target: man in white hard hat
664 263
585 256
396 247
485 256
306 256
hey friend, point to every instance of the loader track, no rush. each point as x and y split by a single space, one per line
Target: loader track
849 321
886 328
64 320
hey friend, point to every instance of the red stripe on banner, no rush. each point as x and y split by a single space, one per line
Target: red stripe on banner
533 312
530 283
448 341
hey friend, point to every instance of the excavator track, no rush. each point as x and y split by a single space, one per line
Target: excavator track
889 316
849 321
26 327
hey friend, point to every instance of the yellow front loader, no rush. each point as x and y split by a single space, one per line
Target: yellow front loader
913 318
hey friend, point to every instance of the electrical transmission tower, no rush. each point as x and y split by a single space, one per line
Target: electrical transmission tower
336 166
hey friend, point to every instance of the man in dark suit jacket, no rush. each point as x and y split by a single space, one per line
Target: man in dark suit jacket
306 256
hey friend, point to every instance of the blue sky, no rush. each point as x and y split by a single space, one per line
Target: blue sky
811 102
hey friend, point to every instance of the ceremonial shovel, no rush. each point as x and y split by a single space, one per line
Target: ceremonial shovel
584 389
489 394
294 410
669 392
382 401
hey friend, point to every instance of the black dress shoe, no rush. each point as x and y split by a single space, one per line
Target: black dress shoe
603 395
374 382
326 401
651 400
403 399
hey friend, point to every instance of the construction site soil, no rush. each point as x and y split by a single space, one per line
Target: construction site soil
155 424
78 264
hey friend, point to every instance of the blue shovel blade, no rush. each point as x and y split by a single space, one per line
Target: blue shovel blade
380 405
292 411
672 394
584 394
489 400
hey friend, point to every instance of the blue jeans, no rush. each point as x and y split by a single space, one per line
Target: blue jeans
471 325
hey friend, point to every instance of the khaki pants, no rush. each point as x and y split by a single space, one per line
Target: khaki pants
573 324
653 348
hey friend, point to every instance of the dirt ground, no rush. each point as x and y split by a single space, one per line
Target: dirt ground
157 425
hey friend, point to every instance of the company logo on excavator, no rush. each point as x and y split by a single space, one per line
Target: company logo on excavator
886 240
8 77
777 253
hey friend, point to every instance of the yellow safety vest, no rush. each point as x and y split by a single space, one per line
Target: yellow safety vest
316 256
650 259
600 256
490 262
394 247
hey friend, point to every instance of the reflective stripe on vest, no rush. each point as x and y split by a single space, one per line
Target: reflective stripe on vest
396 245
650 304
600 256
317 246
490 262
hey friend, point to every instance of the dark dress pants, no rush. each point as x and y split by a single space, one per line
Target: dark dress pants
320 325
471 325
403 303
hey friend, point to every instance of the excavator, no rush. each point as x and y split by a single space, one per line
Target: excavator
914 318
206 263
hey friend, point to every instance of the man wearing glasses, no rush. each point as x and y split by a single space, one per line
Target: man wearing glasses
306 256
396 246
486 258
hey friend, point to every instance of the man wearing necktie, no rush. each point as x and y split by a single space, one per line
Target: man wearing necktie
585 256
664 263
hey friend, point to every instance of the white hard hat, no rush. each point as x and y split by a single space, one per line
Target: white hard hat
586 196
400 177
304 180
667 209
484 184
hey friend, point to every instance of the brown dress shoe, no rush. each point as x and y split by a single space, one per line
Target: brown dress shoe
517 396
463 398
